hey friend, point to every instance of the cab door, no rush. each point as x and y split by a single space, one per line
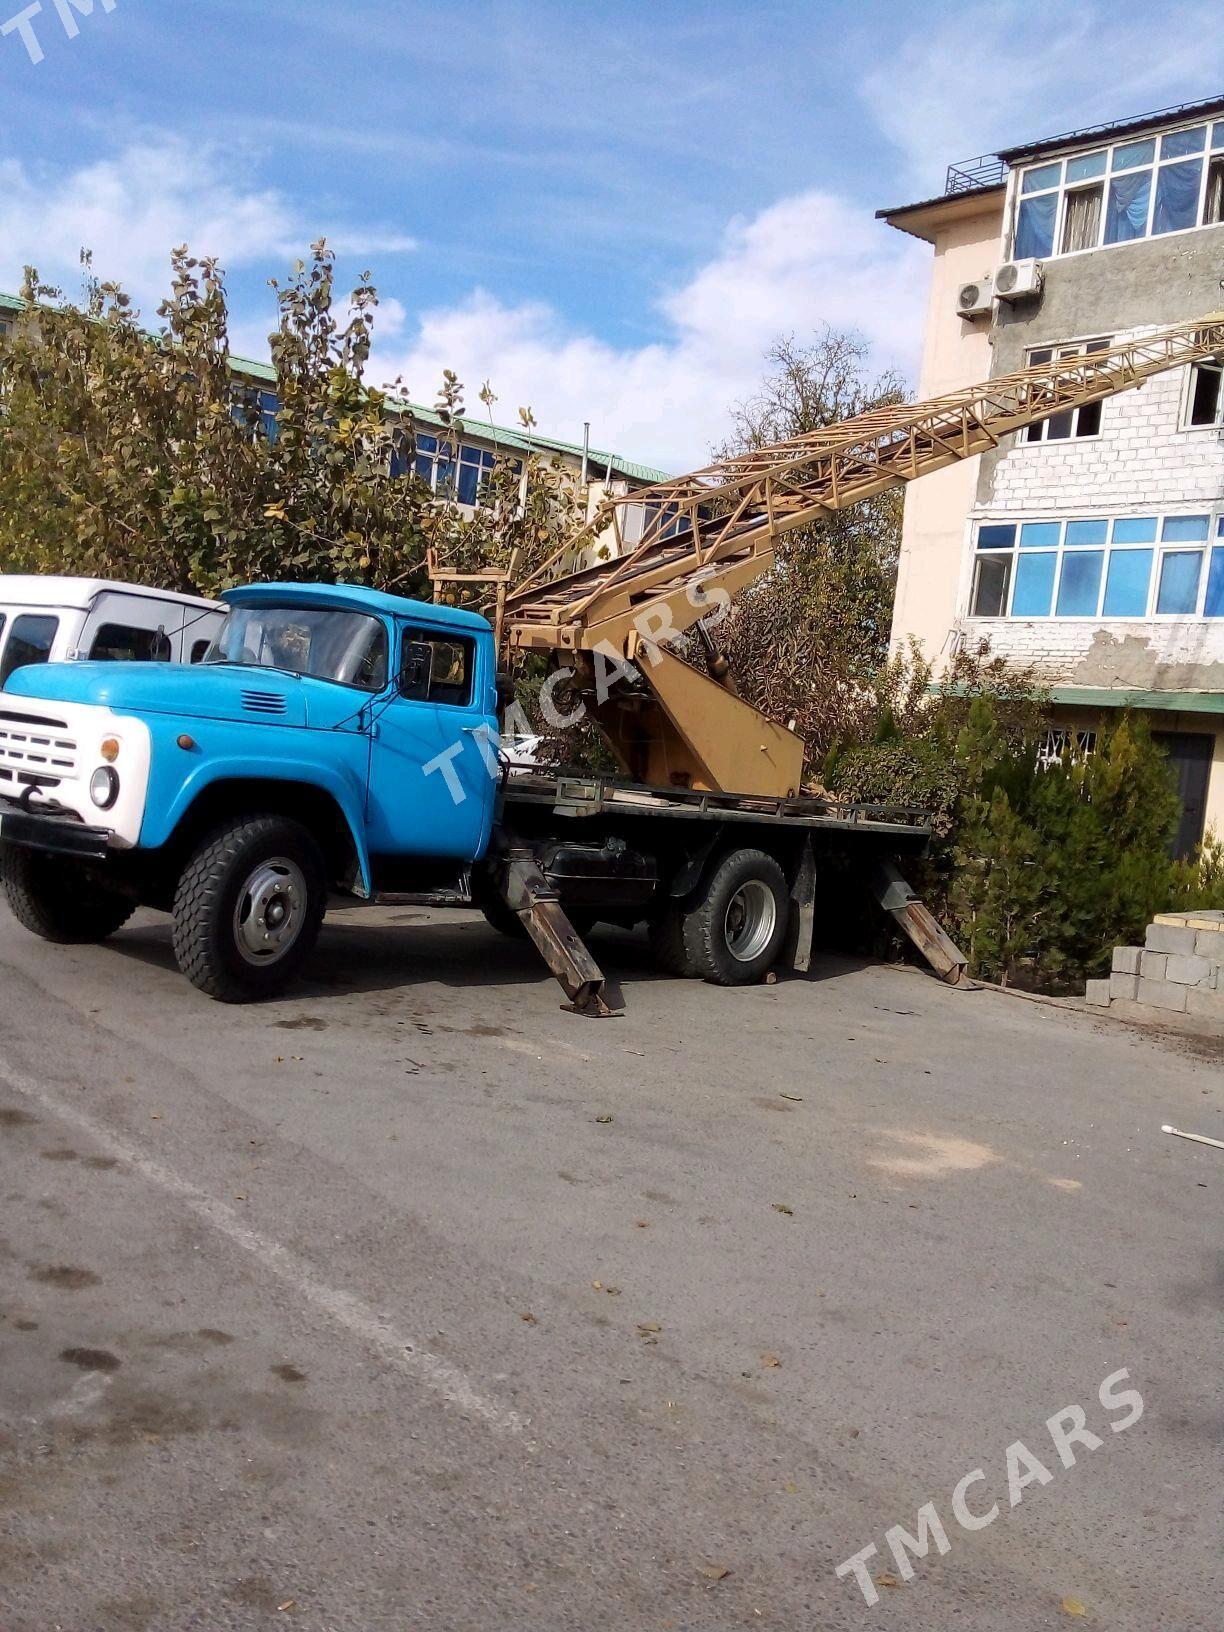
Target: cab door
433 769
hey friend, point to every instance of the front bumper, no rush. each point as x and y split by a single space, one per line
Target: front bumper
60 835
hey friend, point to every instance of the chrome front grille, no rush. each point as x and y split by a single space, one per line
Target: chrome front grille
35 748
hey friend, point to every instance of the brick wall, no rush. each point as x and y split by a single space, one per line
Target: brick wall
1142 461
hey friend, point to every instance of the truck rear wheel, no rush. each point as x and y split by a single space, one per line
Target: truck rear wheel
667 942
248 907
734 932
55 897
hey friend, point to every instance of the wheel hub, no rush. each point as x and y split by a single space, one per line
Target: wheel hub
749 924
270 910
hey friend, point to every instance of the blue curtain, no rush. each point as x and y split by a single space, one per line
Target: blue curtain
1035 227
1126 216
1177 191
1213 607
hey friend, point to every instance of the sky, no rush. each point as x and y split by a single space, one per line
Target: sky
608 209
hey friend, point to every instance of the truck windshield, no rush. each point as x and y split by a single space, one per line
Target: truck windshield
327 644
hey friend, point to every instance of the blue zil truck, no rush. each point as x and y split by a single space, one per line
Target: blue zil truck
338 741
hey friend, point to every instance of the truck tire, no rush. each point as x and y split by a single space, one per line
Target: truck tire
248 907
667 942
734 932
55 897
500 917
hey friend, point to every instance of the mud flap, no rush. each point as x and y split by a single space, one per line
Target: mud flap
803 910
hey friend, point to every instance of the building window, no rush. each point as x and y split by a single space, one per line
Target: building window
1095 567
1085 421
1061 742
475 467
258 410
1213 596
451 470
1206 404
1113 195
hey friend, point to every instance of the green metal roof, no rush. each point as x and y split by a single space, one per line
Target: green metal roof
522 441
1171 702
506 435
1168 702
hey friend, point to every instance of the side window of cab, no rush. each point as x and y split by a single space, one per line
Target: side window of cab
437 668
30 641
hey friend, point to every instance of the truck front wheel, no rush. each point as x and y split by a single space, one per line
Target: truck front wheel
55 897
734 932
248 907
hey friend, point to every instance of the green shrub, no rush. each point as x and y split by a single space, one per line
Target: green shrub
902 771
1044 869
1198 884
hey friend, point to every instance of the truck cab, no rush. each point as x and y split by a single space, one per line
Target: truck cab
331 738
59 619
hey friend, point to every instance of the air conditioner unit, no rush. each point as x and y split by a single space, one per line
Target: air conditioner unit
1016 280
973 299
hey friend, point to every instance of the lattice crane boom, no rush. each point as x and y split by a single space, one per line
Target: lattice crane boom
713 532
717 527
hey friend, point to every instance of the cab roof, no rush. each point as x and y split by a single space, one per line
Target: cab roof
354 598
79 594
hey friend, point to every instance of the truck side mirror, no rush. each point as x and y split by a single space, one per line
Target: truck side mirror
416 670
505 688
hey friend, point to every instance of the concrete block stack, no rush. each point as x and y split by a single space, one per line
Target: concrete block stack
1178 970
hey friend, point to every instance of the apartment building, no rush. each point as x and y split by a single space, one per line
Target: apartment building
1089 547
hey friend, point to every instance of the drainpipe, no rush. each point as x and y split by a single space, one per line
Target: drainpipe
586 448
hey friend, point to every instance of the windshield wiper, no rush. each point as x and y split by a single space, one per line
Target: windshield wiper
235 663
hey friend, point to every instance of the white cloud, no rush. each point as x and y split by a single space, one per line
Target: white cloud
1015 71
130 210
805 261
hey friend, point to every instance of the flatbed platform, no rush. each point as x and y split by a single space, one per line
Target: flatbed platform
581 796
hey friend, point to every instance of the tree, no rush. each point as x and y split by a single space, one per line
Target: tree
808 638
140 456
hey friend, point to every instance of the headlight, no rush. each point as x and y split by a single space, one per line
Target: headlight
104 787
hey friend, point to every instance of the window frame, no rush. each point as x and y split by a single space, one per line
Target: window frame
7 670
256 407
1211 151
152 636
1210 550
1086 345
427 461
1191 391
1059 740
418 633
266 609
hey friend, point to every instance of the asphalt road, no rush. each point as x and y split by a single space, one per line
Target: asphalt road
410 1301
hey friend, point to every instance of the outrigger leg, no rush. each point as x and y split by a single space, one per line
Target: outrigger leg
529 894
922 927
